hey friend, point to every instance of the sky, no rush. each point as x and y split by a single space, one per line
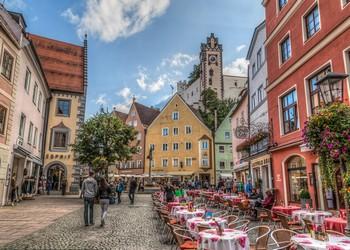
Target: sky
143 47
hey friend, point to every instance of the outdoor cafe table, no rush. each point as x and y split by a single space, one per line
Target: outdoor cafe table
335 223
193 223
286 210
171 204
183 215
314 216
174 209
333 243
230 240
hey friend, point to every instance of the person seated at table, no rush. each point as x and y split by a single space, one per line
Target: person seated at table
256 194
179 193
169 192
266 203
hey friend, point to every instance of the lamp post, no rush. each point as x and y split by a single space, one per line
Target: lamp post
330 89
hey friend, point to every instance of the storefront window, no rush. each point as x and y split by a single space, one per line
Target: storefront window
297 177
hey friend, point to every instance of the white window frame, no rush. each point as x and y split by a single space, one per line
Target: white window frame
22 128
189 143
205 144
173 116
35 93
190 161
178 162
203 160
303 21
27 84
288 34
177 148
165 129
166 146
167 162
30 133
177 131
220 167
229 135
35 135
220 151
190 127
280 111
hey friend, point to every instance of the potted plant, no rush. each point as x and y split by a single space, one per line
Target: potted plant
305 198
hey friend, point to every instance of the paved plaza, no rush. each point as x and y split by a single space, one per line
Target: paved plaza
57 223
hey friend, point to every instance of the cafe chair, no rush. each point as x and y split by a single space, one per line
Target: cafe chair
259 235
287 224
308 225
230 218
335 233
221 213
281 238
239 225
202 227
184 241
243 209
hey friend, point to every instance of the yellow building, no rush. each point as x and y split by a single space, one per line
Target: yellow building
65 67
183 144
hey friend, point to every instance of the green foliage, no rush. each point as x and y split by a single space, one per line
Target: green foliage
211 102
195 74
102 140
304 194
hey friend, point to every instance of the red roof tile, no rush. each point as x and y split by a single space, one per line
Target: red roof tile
146 114
122 116
63 63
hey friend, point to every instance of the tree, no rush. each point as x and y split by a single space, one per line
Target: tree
211 102
102 140
195 74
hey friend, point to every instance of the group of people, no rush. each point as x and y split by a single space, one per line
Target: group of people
101 191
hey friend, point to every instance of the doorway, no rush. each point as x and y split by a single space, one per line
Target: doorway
56 174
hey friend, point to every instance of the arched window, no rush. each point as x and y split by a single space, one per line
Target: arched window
297 177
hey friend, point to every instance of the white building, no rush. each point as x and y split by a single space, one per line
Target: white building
258 110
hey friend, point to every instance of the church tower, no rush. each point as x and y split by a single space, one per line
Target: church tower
211 66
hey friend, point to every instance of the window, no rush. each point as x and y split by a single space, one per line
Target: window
35 137
188 129
253 101
286 49
175 131
345 2
282 3
40 142
227 135
7 65
30 133
139 164
297 177
151 146
259 59
188 145
165 131
211 72
175 116
231 164
3 113
27 80
35 93
188 162
164 162
22 125
222 165
254 68
313 90
221 149
289 112
205 161
63 107
205 144
60 139
165 147
230 148
39 101
260 93
312 22
210 81
139 136
175 162
175 146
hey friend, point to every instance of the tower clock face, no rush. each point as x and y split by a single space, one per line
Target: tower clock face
212 59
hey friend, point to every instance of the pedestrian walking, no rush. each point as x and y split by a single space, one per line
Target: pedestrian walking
89 192
13 190
64 186
104 193
132 190
120 189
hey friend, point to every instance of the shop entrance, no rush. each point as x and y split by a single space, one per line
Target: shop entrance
56 175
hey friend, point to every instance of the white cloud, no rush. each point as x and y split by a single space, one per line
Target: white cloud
34 19
122 107
127 96
241 47
152 86
238 67
102 100
178 60
70 16
125 93
15 4
111 19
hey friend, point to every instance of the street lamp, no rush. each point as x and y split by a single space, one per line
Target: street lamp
330 87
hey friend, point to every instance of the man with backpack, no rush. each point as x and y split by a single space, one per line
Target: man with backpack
89 192
119 189
132 190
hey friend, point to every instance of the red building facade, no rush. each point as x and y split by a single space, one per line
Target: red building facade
305 40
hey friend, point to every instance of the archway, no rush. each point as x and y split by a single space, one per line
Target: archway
56 173
296 177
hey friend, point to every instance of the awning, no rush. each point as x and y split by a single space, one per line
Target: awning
180 173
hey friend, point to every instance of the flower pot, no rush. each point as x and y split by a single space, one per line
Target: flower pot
304 202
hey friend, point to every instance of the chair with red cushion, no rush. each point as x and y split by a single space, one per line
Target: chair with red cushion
184 240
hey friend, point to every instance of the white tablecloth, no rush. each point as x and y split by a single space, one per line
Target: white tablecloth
174 209
230 240
333 243
183 215
315 216
192 224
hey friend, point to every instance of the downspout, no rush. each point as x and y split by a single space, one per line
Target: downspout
45 131
249 153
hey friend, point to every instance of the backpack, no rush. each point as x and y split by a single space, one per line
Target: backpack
120 187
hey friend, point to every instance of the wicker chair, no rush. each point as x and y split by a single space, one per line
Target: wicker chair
284 218
243 208
239 225
221 213
183 239
262 237
335 233
308 225
202 227
282 238
231 218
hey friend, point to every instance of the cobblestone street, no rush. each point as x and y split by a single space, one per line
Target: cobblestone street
127 227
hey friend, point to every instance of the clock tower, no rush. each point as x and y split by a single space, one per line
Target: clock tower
211 66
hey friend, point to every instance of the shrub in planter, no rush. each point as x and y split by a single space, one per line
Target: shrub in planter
305 198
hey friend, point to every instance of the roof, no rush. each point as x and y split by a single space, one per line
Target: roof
63 63
260 27
146 114
243 95
122 116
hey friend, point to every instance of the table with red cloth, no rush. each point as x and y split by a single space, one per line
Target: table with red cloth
230 240
171 204
335 224
342 213
184 214
193 193
286 210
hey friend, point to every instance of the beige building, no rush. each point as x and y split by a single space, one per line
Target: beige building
65 67
183 144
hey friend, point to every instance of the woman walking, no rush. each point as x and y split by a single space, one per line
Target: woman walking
103 194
